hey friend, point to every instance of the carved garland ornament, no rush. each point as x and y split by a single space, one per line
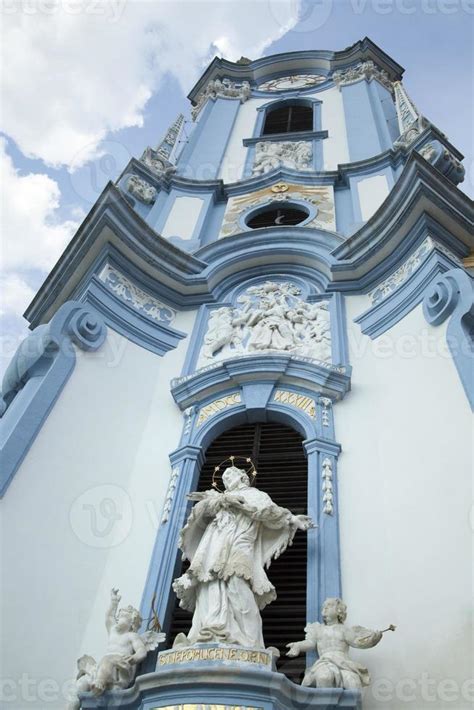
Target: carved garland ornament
141 189
327 487
138 299
399 276
217 88
362 70
269 318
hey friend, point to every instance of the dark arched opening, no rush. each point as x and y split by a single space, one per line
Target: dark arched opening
281 463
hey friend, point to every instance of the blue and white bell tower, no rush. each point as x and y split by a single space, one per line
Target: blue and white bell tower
296 255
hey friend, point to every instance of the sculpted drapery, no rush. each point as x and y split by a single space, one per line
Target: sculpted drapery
229 539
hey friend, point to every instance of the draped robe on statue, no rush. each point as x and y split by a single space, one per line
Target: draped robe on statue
229 545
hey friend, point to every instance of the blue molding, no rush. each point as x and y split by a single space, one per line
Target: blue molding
331 381
146 332
286 137
452 296
36 376
320 61
221 683
385 314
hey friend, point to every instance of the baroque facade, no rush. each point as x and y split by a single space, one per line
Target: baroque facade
294 267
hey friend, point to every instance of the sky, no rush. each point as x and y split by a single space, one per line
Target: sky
87 84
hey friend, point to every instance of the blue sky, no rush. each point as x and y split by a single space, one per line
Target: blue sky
84 90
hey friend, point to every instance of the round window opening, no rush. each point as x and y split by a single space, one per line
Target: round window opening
282 216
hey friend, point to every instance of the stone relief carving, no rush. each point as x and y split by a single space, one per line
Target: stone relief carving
332 640
270 155
321 197
268 318
126 649
362 70
327 487
399 276
221 88
141 189
138 299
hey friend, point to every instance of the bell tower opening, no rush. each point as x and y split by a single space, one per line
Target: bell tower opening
280 460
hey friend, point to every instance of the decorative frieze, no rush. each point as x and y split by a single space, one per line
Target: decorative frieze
270 155
300 401
134 296
141 189
170 494
321 198
327 487
225 88
399 276
362 70
217 406
271 317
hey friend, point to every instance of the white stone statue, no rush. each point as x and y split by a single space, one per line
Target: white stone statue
126 648
230 537
331 640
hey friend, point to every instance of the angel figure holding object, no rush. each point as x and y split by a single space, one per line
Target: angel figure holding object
230 538
126 648
331 640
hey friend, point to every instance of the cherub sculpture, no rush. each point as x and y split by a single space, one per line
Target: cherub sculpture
331 640
126 648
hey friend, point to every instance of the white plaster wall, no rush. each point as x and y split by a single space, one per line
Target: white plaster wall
372 192
183 217
405 485
335 148
108 436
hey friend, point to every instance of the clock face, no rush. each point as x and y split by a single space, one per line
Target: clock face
298 81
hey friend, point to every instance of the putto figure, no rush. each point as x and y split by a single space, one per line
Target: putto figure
230 538
125 650
331 640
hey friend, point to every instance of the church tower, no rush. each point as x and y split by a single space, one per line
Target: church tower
283 283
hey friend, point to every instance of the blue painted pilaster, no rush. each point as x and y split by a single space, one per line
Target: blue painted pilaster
202 157
362 134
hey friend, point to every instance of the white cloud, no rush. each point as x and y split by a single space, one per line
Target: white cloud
16 294
32 238
76 70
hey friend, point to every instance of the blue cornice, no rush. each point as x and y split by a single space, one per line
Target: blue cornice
330 380
421 202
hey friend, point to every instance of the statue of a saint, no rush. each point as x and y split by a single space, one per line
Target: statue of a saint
331 640
230 538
